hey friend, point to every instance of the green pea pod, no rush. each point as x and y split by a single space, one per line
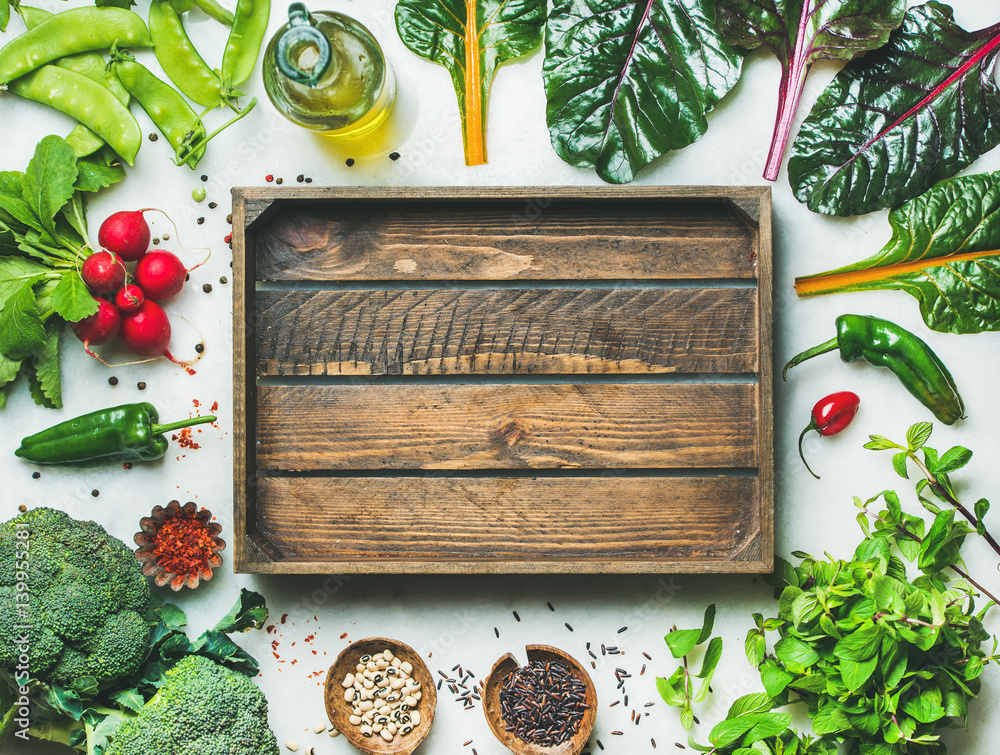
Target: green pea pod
216 11
885 344
70 32
121 434
84 99
179 58
4 14
165 107
245 38
83 141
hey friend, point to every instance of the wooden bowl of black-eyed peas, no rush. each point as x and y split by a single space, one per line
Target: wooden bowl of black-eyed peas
380 696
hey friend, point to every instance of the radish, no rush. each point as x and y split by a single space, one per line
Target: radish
146 332
125 233
103 272
100 328
160 273
129 298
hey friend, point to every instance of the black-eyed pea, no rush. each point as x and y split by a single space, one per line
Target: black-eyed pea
366 730
406 667
415 717
348 680
410 700
355 720
386 735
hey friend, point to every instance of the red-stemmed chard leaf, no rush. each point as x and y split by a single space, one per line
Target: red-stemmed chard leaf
800 32
893 123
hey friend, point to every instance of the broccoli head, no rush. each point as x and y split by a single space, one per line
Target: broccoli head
203 708
87 600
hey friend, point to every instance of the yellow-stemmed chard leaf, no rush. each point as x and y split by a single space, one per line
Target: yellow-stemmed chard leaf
471 38
944 251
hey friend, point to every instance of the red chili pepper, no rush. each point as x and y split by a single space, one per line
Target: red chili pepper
830 415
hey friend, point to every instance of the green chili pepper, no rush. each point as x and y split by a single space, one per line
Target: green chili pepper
885 344
179 58
117 435
244 41
165 107
89 102
68 33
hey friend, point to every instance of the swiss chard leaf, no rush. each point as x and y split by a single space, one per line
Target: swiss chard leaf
249 612
800 32
944 251
471 38
629 80
893 123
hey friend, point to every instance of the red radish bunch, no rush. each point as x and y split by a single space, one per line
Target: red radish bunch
133 315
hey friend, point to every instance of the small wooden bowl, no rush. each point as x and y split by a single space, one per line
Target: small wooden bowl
340 711
491 703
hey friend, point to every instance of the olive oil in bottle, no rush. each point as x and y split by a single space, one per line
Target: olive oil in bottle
325 71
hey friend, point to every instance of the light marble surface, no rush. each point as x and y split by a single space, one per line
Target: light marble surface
451 620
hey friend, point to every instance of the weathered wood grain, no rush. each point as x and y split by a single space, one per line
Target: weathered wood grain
525 331
507 426
501 239
636 520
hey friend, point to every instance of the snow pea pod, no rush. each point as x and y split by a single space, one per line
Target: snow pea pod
83 141
70 32
86 100
245 38
165 107
180 60
4 14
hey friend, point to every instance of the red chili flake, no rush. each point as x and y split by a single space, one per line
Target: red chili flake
189 371
184 545
315 653
196 403
270 628
184 439
275 655
215 406
284 616
310 638
269 178
343 636
294 661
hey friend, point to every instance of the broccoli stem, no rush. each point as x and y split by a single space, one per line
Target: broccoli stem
60 732
7 725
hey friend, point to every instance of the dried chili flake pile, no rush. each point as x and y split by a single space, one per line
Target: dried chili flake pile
184 545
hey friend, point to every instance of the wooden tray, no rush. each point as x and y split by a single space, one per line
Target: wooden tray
502 380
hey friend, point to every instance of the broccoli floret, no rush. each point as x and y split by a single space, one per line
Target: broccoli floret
201 708
87 596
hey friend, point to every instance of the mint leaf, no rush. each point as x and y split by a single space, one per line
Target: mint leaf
982 507
919 434
881 443
854 674
22 333
48 181
758 702
953 460
792 650
682 641
71 300
899 464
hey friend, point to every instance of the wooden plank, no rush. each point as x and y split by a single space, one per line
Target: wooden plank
506 331
476 524
500 238
390 427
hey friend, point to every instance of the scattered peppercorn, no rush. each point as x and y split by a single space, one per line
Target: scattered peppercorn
212 205
127 465
95 492
201 220
22 508
229 218
36 475
156 241
223 280
199 347
140 385
187 277
166 237
112 380
207 288
394 156
300 178
269 178
279 180
153 137
204 177
349 161
308 180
